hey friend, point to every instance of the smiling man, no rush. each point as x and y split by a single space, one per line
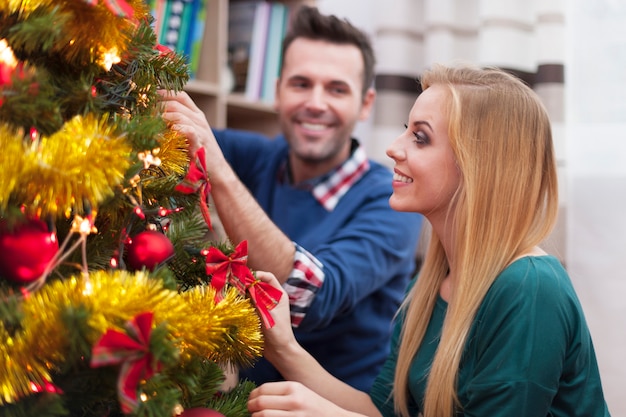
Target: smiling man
312 206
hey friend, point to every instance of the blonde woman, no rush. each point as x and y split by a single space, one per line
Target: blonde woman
492 325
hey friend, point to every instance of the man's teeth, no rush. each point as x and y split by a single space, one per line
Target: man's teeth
402 178
313 126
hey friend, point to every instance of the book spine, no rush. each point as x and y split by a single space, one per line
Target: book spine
173 23
194 44
275 36
257 51
186 26
240 26
157 10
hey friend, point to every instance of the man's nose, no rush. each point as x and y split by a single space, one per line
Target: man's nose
317 99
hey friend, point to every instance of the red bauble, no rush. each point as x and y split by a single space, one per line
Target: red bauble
26 251
200 412
148 249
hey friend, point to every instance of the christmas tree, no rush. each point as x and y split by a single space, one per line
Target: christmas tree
115 297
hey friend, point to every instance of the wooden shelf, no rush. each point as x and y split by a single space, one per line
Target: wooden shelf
238 100
195 86
251 115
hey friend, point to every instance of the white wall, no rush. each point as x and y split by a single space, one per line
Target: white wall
596 145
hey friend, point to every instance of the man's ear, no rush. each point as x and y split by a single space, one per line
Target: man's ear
368 103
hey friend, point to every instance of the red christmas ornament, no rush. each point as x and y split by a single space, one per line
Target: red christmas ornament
148 249
26 251
200 412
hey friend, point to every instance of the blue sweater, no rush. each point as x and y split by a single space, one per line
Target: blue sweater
367 251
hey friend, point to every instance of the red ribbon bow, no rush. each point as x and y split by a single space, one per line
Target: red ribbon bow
132 350
196 180
263 296
234 270
223 267
117 7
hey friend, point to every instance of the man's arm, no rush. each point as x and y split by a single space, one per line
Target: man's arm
243 218
239 213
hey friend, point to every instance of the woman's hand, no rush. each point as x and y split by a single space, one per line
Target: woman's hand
290 399
323 394
280 338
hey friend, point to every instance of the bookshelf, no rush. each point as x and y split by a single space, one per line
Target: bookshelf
210 88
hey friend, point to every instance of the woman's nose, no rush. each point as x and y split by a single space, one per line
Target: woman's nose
394 150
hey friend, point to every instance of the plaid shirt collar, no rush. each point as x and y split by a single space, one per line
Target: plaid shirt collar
329 188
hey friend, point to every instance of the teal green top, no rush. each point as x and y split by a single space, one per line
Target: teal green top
529 352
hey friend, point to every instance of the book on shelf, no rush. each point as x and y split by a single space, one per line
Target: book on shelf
240 23
276 33
193 46
256 62
179 25
172 24
157 9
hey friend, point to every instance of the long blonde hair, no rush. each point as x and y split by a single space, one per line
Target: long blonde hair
506 203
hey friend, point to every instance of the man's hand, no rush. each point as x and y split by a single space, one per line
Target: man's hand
238 211
185 117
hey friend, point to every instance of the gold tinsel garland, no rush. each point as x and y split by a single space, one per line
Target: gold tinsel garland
84 161
12 162
198 325
174 153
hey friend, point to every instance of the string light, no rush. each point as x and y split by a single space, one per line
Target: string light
88 289
83 226
6 54
110 58
139 213
149 158
166 212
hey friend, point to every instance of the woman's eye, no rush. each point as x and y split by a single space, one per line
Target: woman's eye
420 137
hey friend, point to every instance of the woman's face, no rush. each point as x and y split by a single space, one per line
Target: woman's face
425 173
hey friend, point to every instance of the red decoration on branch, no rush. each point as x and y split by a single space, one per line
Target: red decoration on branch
149 249
46 386
197 180
9 70
132 351
263 296
117 7
234 270
163 50
222 267
26 251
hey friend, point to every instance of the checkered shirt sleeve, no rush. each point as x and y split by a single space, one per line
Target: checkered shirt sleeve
305 280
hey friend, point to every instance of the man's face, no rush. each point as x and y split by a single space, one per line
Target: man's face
319 100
